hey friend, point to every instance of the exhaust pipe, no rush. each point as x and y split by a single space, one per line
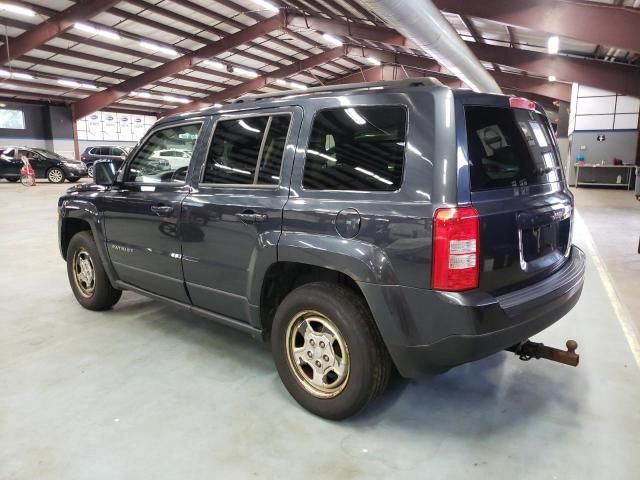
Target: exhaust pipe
527 350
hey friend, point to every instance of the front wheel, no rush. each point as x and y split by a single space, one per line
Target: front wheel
55 175
328 351
90 170
88 279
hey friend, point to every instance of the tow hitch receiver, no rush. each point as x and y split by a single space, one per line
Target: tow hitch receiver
527 350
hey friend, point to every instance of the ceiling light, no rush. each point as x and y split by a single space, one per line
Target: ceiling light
553 44
4 73
330 39
89 85
157 48
68 83
217 105
17 9
552 78
169 98
374 61
85 27
297 85
213 64
244 71
21 76
281 82
266 5
140 94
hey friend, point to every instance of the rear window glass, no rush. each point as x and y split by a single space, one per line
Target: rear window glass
509 148
356 148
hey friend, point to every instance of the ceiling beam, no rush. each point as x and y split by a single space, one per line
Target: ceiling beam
54 26
103 99
591 22
262 81
610 76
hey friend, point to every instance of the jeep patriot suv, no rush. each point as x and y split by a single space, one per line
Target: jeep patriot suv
358 228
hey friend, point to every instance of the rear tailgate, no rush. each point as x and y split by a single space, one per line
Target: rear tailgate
517 186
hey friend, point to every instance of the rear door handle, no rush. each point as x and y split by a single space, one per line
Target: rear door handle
252 217
162 210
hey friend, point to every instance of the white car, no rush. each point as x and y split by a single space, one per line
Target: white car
176 158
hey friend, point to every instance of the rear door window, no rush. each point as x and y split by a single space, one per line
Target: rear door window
247 150
356 148
509 148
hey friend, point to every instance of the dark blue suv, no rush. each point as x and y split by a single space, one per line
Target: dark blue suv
359 228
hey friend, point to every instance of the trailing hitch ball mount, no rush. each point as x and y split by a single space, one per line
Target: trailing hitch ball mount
527 350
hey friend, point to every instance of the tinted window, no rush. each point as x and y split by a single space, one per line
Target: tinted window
149 167
509 147
356 148
237 144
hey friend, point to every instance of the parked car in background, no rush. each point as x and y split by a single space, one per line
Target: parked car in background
177 158
46 164
335 224
104 152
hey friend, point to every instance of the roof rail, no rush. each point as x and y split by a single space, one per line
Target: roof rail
407 82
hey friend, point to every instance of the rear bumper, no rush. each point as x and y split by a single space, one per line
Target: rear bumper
428 331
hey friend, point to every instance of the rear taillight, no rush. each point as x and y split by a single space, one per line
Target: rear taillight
456 249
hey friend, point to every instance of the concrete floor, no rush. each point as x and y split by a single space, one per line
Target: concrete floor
147 392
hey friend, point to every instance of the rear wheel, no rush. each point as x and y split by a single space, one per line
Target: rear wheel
55 175
90 170
88 279
328 351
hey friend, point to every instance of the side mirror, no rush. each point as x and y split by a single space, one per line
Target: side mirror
104 172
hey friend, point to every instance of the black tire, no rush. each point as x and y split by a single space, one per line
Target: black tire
55 175
369 364
73 180
13 179
102 296
90 170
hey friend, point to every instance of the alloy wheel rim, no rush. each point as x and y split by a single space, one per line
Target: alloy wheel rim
55 175
317 354
90 171
84 273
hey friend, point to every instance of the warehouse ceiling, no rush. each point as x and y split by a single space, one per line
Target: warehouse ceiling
164 56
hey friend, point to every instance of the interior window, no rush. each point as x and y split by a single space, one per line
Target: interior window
149 167
237 144
356 148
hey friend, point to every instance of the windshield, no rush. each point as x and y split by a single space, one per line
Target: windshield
48 154
509 147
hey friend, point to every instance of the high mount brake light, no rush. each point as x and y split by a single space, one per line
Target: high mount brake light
519 102
456 249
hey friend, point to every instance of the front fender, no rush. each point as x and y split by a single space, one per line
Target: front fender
87 211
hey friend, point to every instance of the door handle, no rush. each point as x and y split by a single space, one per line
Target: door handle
252 217
162 210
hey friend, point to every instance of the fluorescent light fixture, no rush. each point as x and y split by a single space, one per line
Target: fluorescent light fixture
213 64
331 40
297 85
266 5
552 78
553 44
355 116
89 86
158 48
17 9
21 76
85 27
68 83
281 82
245 72
140 94
170 98
244 125
217 105
4 73
374 61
